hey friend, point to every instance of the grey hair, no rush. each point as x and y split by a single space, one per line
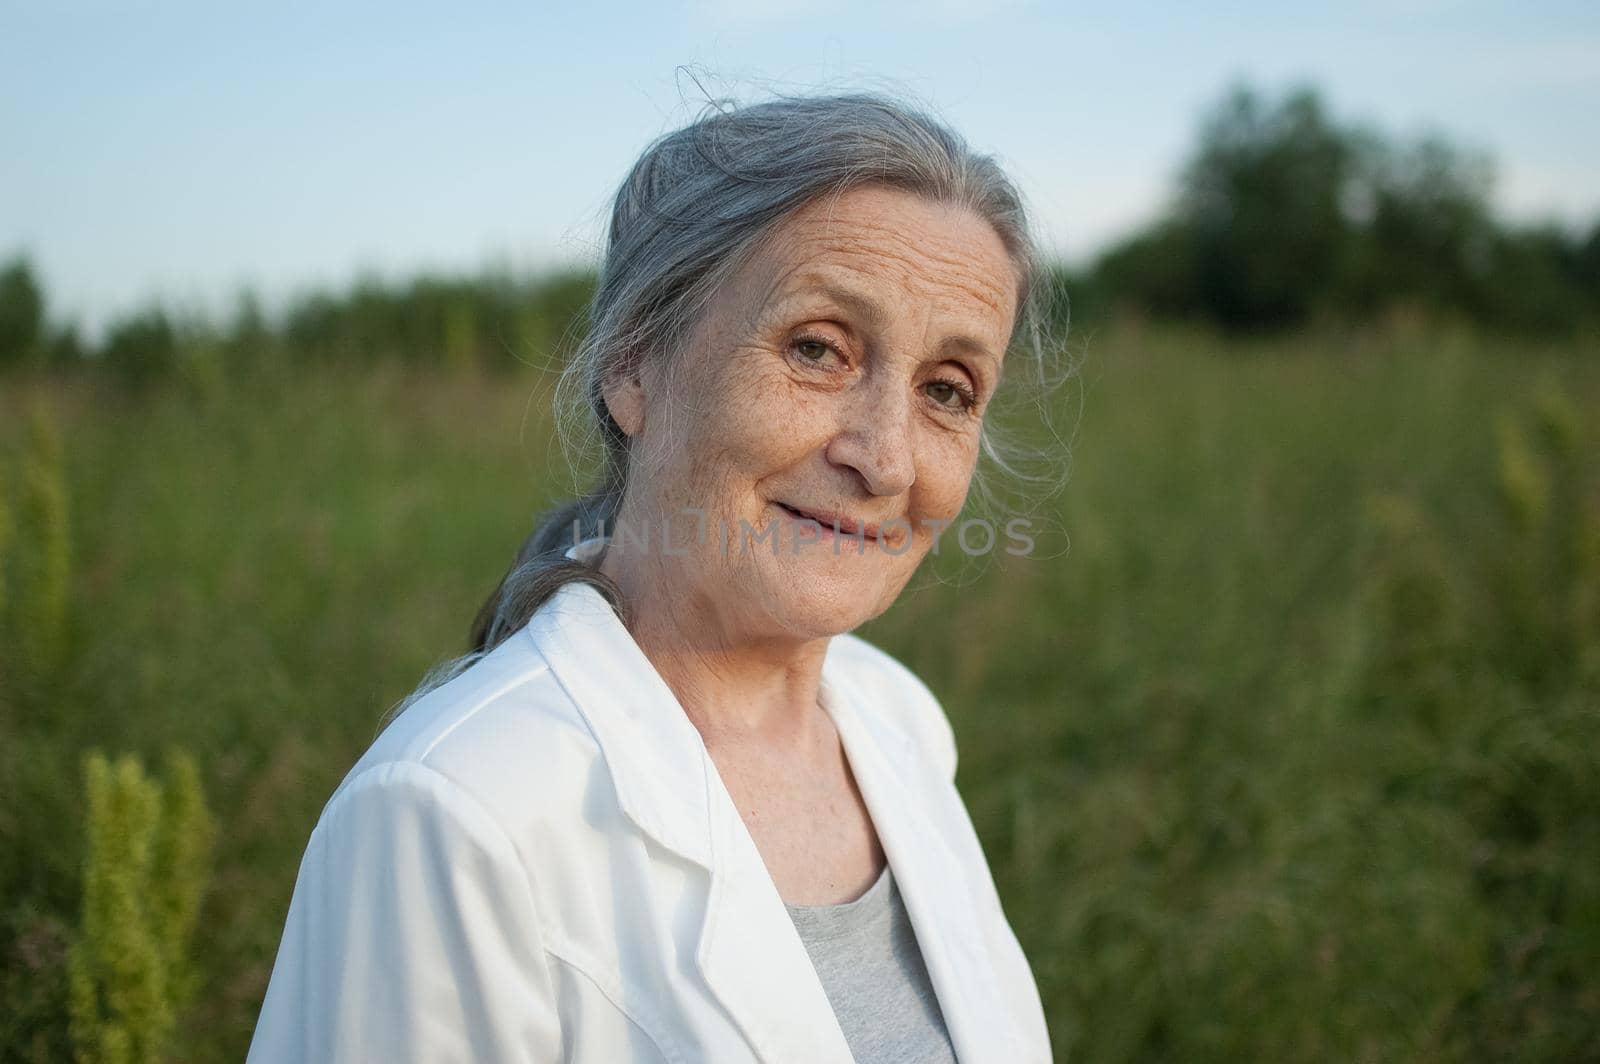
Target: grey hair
698 203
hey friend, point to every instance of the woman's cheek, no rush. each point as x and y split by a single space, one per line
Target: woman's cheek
946 474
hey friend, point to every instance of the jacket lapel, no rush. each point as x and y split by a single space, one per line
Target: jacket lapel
931 877
752 956
749 952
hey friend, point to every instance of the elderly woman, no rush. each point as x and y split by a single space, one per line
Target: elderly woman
669 809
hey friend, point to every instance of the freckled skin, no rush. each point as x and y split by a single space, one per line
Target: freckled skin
784 393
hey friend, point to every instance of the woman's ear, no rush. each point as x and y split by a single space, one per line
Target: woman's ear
624 396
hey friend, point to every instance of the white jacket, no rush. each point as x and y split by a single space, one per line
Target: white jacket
538 861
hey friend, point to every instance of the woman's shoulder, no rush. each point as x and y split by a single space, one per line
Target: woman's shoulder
892 691
507 736
502 734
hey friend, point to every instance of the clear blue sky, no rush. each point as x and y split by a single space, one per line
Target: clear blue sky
184 150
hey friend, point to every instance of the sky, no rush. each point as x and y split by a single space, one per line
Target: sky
184 152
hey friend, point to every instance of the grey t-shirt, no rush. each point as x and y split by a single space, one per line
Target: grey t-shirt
866 954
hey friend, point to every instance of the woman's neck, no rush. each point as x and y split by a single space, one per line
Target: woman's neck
737 687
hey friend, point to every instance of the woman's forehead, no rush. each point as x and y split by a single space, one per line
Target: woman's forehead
865 255
818 289
893 228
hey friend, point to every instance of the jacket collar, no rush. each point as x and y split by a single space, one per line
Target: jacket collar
749 951
657 759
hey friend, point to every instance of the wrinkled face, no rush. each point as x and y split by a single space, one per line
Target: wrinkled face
840 377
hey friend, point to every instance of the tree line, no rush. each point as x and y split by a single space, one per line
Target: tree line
491 318
1282 217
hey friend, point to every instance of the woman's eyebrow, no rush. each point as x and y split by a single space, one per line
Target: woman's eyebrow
858 303
873 313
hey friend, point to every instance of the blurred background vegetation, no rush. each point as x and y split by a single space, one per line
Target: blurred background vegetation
1296 757
1283 218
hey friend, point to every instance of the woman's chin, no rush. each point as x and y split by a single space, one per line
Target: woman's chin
824 595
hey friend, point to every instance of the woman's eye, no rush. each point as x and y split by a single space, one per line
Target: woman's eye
813 350
950 394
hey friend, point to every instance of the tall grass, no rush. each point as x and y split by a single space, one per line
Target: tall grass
1283 744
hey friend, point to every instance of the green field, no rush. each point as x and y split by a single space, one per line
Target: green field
1284 745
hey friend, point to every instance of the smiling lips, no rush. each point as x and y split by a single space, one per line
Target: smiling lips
829 521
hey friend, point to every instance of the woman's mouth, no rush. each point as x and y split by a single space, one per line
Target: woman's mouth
829 522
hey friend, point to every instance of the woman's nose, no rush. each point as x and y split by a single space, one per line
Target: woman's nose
874 436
